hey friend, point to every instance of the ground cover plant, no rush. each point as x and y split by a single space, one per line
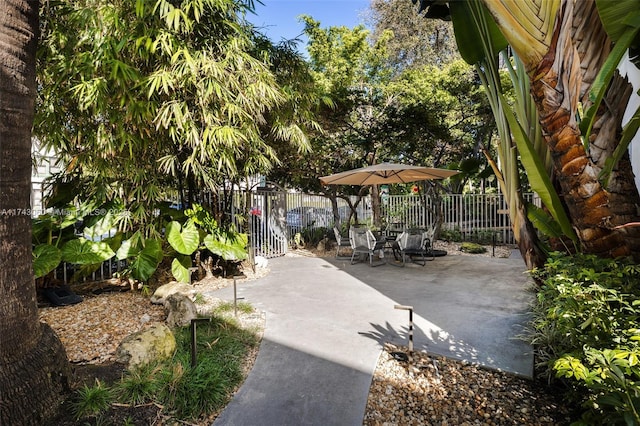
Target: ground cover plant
173 389
585 330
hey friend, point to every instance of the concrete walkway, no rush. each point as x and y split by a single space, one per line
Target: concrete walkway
327 321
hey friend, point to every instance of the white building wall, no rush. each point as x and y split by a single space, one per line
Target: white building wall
45 164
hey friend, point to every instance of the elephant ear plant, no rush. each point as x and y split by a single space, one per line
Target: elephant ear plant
201 232
67 237
55 240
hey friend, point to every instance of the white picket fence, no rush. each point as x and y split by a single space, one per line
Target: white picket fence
469 217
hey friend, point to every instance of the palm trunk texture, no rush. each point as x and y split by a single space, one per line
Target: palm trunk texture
33 364
559 82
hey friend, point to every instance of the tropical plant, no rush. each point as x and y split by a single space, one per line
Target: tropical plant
585 331
570 60
480 42
142 255
200 232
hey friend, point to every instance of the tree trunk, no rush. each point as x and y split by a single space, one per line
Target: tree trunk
528 242
376 207
559 81
33 364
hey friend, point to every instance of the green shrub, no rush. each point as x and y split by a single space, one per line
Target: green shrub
138 386
585 331
454 235
472 248
312 236
191 392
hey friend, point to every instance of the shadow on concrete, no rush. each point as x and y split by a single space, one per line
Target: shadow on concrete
292 387
465 307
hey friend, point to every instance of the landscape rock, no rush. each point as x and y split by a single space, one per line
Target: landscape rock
168 289
261 262
155 343
180 310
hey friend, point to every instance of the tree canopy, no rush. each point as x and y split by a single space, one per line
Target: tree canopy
141 98
416 41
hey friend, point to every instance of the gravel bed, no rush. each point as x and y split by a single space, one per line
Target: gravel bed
433 390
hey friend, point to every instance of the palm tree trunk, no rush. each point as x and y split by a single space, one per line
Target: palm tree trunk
559 80
33 364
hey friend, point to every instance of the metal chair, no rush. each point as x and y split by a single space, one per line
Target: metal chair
364 242
414 244
340 242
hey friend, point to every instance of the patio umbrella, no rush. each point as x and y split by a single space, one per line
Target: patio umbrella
383 173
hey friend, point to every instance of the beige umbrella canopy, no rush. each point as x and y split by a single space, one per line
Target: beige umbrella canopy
383 173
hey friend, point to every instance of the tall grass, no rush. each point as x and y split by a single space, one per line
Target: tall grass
185 392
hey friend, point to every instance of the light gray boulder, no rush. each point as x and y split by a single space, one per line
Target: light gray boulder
180 310
153 344
168 289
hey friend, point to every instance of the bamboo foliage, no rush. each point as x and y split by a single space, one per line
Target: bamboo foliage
142 98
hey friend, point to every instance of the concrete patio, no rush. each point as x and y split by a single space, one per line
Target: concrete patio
327 321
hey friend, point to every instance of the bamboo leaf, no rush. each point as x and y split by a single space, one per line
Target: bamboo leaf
140 8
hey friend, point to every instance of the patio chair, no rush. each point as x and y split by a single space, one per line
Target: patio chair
363 242
415 245
430 235
340 242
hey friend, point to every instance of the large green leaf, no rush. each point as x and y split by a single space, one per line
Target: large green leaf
145 263
469 38
45 259
127 249
616 15
538 178
130 247
180 268
115 242
228 248
103 225
84 271
83 252
184 240
543 221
